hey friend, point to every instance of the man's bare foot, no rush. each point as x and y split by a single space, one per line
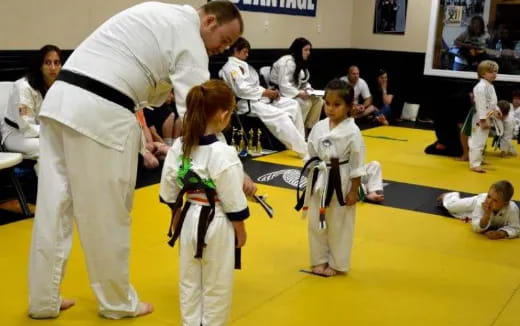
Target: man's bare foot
478 169
375 197
66 304
329 271
319 269
145 308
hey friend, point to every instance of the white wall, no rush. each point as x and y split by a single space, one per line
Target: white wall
33 23
414 39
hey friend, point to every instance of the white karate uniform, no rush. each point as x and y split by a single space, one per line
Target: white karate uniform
25 138
89 149
282 117
507 219
333 244
485 101
373 179
506 141
282 75
206 284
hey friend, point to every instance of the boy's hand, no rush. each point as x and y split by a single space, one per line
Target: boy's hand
484 124
249 186
240 233
352 198
496 235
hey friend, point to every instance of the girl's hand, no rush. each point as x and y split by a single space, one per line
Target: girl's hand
240 233
352 198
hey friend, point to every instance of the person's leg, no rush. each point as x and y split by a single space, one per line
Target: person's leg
29 147
373 182
314 113
217 272
341 220
281 125
52 227
319 248
168 129
477 142
102 185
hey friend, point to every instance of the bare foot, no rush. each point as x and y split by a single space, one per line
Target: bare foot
329 271
145 308
478 169
319 269
66 304
375 197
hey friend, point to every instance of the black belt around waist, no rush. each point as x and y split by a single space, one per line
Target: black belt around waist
107 92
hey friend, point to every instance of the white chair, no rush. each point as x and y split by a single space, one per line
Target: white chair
9 160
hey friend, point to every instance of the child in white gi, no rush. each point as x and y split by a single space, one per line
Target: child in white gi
210 173
515 111
337 153
493 214
507 148
485 105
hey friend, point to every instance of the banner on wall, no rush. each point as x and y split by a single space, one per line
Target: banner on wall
287 7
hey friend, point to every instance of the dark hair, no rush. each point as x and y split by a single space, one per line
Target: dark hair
202 103
34 75
504 107
296 51
345 91
224 11
504 188
482 24
516 93
381 72
240 44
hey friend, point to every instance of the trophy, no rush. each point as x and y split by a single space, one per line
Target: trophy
250 148
242 152
233 135
258 143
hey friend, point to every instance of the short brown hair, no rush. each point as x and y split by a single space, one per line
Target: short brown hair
224 11
504 107
486 66
504 188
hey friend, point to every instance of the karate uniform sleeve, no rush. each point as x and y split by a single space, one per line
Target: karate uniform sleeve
357 157
169 188
184 75
21 99
479 96
285 82
242 87
229 182
512 225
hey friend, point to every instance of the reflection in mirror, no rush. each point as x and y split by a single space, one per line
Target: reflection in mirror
464 32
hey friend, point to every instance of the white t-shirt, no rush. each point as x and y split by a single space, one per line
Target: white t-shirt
360 89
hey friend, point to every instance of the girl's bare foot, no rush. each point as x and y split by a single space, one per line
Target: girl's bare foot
66 304
144 309
319 269
478 169
375 197
329 271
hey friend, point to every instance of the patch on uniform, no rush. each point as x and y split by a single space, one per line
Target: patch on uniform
234 74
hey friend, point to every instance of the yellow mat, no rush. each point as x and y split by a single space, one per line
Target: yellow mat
408 268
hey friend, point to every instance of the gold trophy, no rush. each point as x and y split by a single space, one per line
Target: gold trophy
250 148
258 143
242 152
233 135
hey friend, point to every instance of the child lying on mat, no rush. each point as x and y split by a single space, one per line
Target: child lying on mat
493 213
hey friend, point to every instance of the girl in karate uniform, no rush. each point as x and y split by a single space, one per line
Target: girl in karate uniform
210 173
337 154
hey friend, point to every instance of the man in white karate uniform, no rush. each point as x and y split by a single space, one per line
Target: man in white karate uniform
281 115
90 140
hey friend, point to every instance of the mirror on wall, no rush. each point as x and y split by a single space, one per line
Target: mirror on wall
462 33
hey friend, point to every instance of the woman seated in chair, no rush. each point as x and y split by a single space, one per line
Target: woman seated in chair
20 126
282 116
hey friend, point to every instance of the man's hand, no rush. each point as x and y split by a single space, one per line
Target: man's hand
271 94
240 233
484 124
249 186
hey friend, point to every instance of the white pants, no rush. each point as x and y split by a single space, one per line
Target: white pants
311 110
29 147
507 146
284 120
92 185
458 207
477 143
373 179
206 285
334 244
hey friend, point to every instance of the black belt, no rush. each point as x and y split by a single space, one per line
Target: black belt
11 123
107 92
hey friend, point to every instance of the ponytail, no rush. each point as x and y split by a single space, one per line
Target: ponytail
202 103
